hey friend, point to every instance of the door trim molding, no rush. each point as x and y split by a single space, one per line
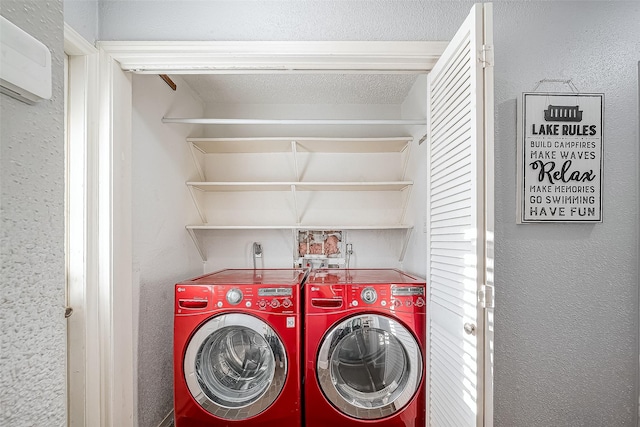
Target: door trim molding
272 57
118 351
117 328
83 386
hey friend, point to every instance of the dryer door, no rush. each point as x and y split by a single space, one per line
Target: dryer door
235 366
369 366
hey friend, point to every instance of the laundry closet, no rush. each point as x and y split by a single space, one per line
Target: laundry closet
337 154
242 166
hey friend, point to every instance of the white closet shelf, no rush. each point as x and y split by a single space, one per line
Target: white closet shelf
300 186
301 204
357 122
301 227
302 144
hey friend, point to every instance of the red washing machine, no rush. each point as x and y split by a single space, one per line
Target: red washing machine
365 335
237 349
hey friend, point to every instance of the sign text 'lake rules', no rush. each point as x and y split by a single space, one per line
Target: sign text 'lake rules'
560 158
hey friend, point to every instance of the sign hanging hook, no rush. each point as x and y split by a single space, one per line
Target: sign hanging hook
568 82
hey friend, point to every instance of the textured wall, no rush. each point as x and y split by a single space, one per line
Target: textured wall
82 16
163 252
280 20
567 303
567 294
32 279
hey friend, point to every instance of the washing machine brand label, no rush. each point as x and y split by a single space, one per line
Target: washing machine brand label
291 322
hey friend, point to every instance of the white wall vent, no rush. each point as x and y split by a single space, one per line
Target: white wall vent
25 65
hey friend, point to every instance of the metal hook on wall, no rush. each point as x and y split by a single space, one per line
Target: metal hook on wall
568 82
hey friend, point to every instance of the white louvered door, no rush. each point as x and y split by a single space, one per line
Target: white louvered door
460 227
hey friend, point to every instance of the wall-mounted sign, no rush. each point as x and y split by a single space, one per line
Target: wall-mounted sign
560 158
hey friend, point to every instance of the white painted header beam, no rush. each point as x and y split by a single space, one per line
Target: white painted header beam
274 56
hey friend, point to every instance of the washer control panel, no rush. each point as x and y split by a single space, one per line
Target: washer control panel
266 298
273 299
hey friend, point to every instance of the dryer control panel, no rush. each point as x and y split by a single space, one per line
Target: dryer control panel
395 297
264 298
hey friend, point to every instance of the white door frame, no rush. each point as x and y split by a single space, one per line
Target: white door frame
83 343
116 320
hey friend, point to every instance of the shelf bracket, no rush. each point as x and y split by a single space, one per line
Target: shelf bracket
294 150
197 196
198 159
295 203
294 235
405 203
198 244
406 151
405 244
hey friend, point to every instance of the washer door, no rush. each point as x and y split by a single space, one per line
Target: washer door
369 366
235 366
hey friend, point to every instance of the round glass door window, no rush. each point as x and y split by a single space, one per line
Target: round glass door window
369 366
235 366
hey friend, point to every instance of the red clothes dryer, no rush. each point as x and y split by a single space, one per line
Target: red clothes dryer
365 334
237 349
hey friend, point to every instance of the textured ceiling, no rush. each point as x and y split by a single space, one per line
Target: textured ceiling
301 88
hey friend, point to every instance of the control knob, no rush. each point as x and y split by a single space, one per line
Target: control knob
369 295
234 296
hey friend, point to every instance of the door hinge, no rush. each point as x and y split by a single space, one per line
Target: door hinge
485 296
486 55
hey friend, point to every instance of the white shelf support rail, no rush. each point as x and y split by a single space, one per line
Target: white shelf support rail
406 151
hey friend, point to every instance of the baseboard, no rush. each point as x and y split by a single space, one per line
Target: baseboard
168 420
